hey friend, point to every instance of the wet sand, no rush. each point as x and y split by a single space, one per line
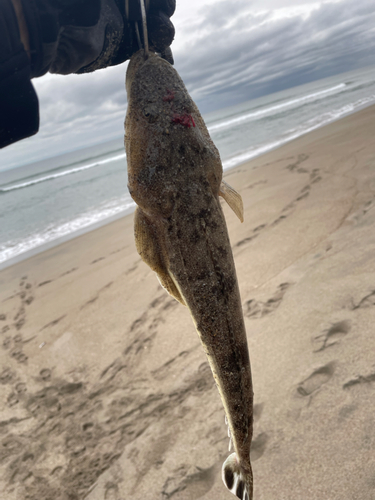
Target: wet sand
105 390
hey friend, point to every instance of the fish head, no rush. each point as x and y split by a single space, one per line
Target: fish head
169 151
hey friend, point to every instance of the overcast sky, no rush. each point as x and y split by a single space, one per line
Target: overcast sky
226 51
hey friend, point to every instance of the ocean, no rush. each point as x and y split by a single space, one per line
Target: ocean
53 200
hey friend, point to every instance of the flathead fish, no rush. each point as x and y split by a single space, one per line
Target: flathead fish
175 178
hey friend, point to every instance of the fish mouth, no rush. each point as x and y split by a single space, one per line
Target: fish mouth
136 62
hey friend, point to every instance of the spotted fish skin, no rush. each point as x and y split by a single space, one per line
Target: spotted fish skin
175 177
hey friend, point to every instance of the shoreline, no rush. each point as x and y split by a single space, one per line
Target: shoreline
63 239
92 227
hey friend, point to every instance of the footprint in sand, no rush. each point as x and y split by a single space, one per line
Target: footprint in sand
314 177
278 220
26 297
300 159
302 196
21 387
259 228
111 492
256 309
367 301
190 482
319 377
20 317
132 268
45 282
360 380
45 374
97 260
251 186
53 323
290 207
95 298
165 370
256 232
145 327
332 335
244 241
23 279
29 299
12 399
70 271
7 376
7 342
19 355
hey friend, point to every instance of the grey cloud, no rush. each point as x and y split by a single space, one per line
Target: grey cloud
86 92
239 63
219 14
82 109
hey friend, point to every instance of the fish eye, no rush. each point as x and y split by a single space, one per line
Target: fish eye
150 113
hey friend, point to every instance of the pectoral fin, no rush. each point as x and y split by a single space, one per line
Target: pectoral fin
150 249
233 199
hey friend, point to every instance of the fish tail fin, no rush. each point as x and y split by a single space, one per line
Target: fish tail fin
236 479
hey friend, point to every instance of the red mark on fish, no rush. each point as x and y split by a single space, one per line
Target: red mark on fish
169 97
185 120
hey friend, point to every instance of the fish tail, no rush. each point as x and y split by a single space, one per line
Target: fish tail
236 479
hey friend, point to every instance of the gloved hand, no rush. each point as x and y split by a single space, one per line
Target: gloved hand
80 36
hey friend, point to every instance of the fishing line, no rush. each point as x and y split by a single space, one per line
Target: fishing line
131 15
144 26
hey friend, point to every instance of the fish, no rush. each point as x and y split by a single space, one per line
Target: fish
175 178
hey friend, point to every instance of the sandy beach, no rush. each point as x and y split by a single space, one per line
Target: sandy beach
105 390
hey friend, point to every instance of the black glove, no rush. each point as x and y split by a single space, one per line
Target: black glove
66 36
80 36
19 117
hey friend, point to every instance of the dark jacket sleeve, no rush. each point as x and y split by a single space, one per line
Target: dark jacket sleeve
19 108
